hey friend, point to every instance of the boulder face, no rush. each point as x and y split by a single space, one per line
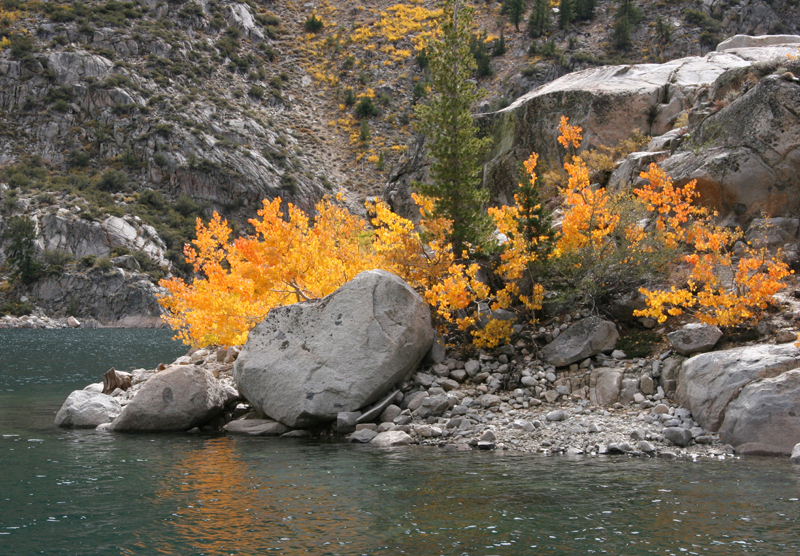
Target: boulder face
177 399
87 409
745 156
586 338
308 362
113 297
708 383
763 420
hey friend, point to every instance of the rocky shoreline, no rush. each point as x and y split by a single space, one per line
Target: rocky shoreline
463 416
329 369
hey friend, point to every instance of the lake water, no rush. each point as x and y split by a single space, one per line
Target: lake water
70 493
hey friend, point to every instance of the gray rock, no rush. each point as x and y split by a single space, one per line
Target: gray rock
374 412
432 406
346 421
785 335
363 436
522 424
556 415
586 338
694 338
256 427
604 386
678 436
389 414
763 419
795 457
488 436
646 447
448 384
646 385
472 367
176 399
307 362
413 401
459 375
710 381
297 433
87 409
392 438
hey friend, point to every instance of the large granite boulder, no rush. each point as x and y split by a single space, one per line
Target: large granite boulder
585 338
177 399
709 382
308 362
87 409
764 419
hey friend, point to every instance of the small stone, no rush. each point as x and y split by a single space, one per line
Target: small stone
472 367
459 375
661 408
638 397
593 428
363 436
646 385
522 424
403 420
704 439
618 354
448 384
638 434
488 436
785 335
551 377
366 426
646 447
346 421
556 415
551 396
678 436
795 457
389 414
424 379
485 445
392 438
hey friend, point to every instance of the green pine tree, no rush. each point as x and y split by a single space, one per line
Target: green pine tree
446 122
584 10
539 20
20 236
515 10
566 13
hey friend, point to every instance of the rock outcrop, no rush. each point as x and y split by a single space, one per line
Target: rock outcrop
177 399
87 409
113 297
306 363
610 102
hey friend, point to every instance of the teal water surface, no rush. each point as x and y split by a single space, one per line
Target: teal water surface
85 493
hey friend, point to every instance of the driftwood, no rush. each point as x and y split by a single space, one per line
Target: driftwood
115 379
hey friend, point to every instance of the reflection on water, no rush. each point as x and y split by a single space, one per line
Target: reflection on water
68 493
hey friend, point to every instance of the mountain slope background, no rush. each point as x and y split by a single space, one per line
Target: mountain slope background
122 122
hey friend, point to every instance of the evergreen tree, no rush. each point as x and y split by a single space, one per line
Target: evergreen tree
627 17
539 21
584 10
477 48
499 47
535 221
446 122
515 10
566 13
20 235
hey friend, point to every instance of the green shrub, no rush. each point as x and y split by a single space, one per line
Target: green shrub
104 264
313 24
19 236
16 308
365 108
87 261
112 181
